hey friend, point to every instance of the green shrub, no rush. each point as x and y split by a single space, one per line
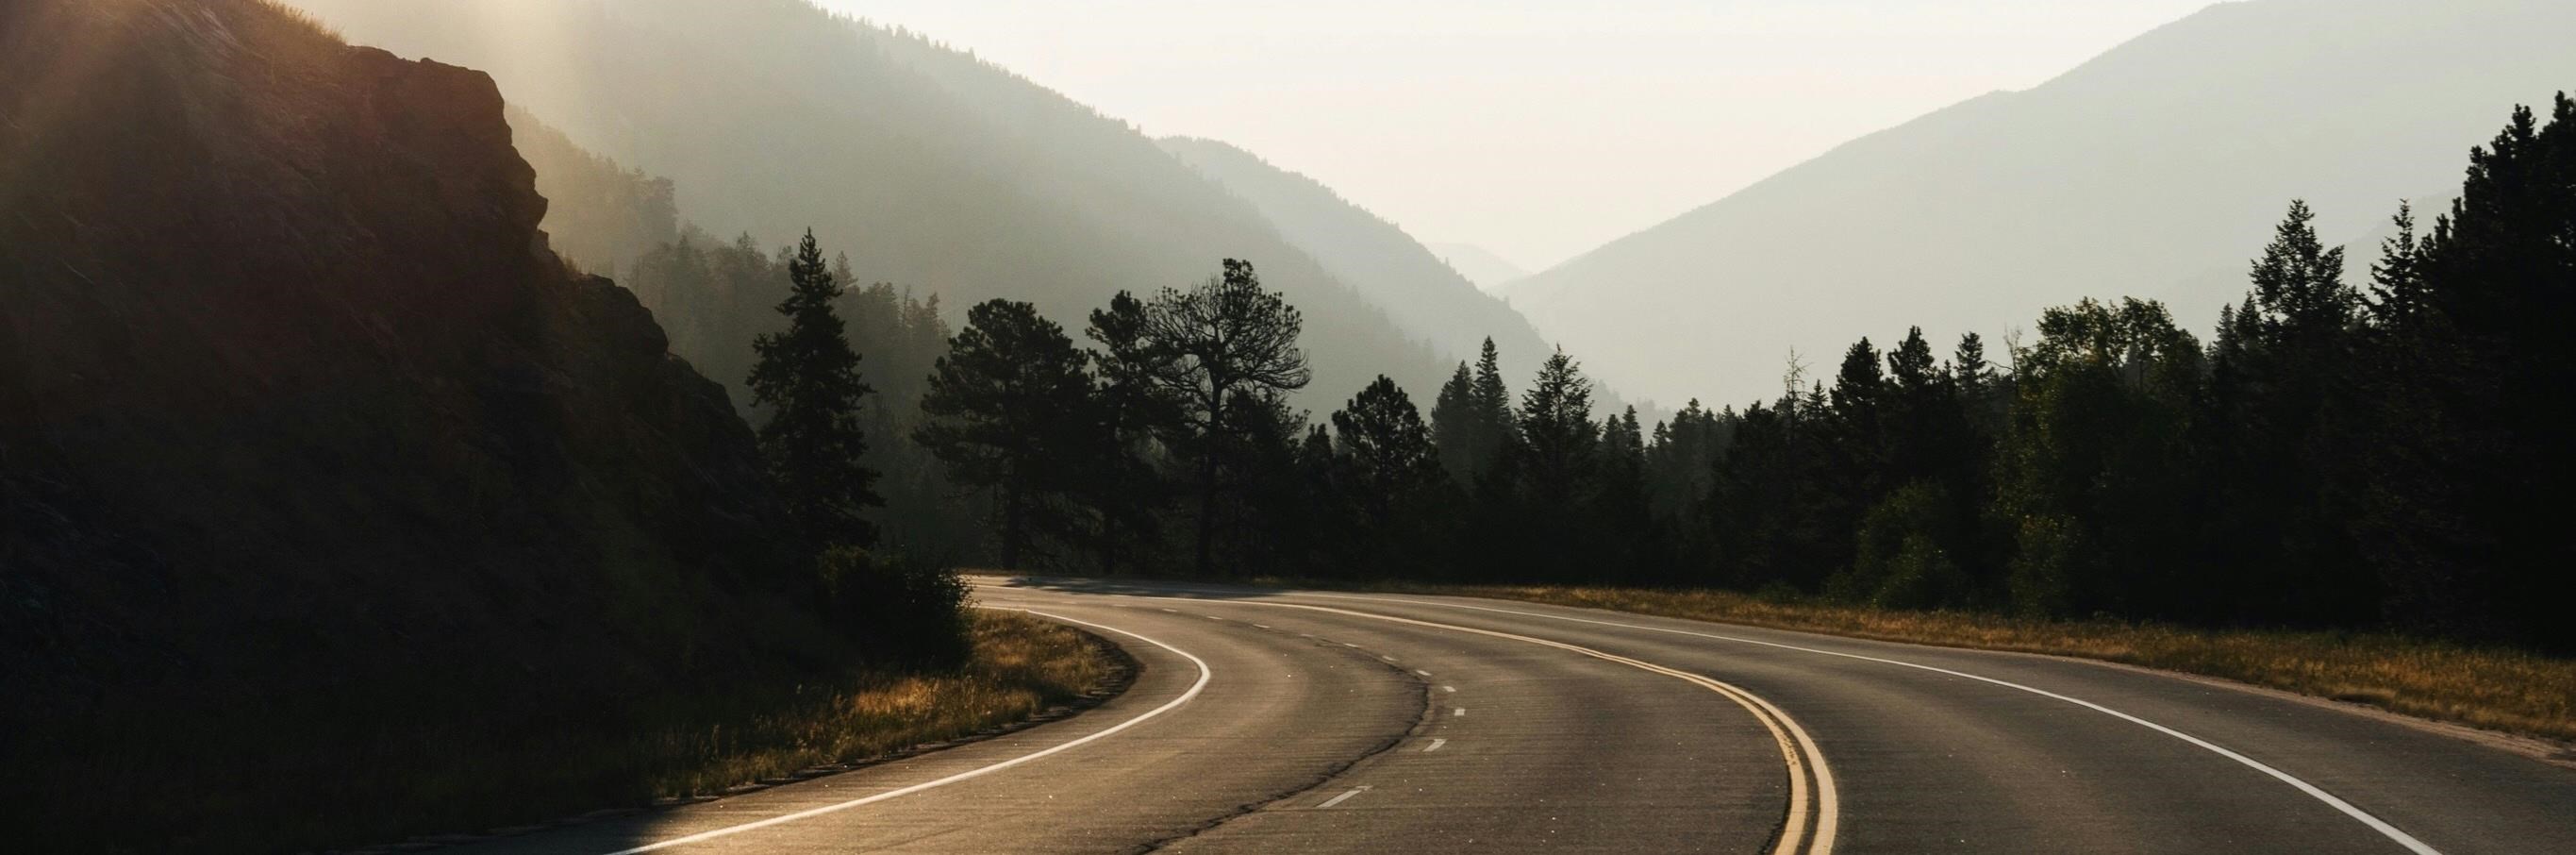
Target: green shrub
901 610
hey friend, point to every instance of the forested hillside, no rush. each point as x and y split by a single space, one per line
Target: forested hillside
2332 457
2137 173
307 439
933 170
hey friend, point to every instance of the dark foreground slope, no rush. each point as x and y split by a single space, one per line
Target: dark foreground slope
307 439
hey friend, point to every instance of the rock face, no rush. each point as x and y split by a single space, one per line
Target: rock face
303 425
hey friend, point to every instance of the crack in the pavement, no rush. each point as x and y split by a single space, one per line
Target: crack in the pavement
1421 724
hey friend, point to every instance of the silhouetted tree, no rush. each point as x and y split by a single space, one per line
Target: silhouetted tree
1124 492
1009 411
810 377
2464 459
1222 345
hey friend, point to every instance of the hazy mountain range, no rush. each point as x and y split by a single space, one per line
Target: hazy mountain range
1422 293
2154 170
932 169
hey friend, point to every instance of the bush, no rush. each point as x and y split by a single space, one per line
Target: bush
902 611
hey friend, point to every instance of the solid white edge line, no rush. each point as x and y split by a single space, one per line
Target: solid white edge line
1204 675
2375 823
1436 742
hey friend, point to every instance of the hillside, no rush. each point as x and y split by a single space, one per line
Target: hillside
932 169
2154 170
1478 264
307 438
1420 291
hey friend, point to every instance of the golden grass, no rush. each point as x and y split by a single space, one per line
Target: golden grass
2496 689
1021 666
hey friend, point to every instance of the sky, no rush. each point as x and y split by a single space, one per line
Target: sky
1537 130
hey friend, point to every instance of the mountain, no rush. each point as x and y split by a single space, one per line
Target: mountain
2154 170
932 169
1423 294
1478 264
318 469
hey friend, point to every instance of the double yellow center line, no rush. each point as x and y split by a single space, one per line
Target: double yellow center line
1813 808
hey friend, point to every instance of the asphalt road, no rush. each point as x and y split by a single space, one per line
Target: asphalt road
1270 722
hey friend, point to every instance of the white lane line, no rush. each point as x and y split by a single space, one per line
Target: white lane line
1436 742
1345 796
1204 674
1262 625
1421 672
1456 712
2375 823
1212 617
1448 688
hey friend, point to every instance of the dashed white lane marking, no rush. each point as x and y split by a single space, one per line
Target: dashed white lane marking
2375 823
1212 617
1457 711
1436 742
1421 672
1201 684
1262 625
1448 688
1345 796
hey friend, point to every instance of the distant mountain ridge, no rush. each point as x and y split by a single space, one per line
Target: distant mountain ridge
1419 290
2141 172
1479 265
932 169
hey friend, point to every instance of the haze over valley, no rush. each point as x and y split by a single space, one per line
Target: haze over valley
998 426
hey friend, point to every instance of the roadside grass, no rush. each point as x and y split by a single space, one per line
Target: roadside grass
1021 666
2496 689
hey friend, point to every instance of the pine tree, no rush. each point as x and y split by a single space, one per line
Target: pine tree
1222 346
1009 411
1558 438
809 376
1133 411
1454 427
1393 459
2466 458
2273 436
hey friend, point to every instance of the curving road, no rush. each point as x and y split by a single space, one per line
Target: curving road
1275 721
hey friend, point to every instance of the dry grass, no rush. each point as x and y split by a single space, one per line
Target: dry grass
1021 666
2503 690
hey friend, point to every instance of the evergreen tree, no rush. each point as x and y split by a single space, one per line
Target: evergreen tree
1559 441
2279 376
2464 455
1009 411
1472 419
1393 459
1454 426
809 376
1124 490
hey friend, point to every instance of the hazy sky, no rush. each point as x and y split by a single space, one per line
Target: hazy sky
1535 129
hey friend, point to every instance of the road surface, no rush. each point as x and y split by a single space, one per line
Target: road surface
1280 722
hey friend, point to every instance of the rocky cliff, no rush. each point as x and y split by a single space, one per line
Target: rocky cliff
303 428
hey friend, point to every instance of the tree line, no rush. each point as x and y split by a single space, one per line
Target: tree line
2374 457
